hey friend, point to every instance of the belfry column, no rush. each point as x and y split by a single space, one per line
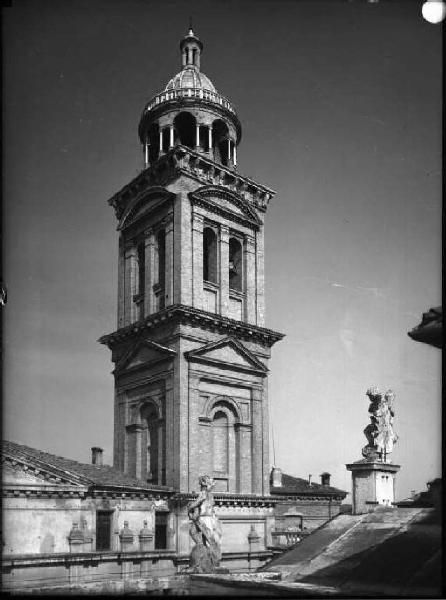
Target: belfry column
169 260
250 279
211 151
197 257
224 270
149 307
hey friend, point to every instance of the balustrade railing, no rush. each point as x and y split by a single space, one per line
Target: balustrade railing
199 93
286 538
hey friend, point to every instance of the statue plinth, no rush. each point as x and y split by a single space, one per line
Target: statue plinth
373 484
373 478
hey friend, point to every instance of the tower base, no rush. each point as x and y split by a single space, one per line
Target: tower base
373 484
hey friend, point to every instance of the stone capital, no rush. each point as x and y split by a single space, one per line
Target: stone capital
250 242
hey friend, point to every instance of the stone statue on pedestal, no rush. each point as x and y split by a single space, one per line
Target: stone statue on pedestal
205 530
379 433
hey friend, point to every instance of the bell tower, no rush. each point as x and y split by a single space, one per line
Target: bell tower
191 349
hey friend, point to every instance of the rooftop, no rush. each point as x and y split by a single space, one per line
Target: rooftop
295 485
72 470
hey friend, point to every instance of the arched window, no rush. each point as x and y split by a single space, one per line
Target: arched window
220 446
235 265
220 135
150 444
184 124
161 267
210 255
225 458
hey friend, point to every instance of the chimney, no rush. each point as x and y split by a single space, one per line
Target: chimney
309 478
276 477
96 456
325 478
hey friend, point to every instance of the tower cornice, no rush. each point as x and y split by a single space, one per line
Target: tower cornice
182 160
189 315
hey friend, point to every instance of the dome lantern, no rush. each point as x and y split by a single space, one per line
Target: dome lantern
190 112
191 48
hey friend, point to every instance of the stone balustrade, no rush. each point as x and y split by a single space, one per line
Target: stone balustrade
287 538
192 93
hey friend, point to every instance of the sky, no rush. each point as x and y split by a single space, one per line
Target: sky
340 104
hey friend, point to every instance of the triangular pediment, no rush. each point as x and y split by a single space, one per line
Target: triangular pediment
144 352
230 204
228 353
28 471
20 474
144 203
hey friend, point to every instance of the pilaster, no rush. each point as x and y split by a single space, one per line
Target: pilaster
257 447
224 271
195 443
243 451
265 435
260 279
183 241
130 284
149 300
121 283
250 280
197 258
172 435
170 257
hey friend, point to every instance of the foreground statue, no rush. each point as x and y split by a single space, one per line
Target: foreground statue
205 530
379 433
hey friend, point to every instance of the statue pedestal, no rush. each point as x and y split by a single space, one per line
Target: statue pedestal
373 484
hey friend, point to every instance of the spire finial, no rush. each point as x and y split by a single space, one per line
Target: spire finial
191 31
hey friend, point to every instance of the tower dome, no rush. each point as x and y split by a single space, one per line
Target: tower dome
191 112
190 77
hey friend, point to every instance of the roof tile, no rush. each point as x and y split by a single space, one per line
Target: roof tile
89 474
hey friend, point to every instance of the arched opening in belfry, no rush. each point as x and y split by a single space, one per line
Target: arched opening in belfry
166 139
153 139
235 264
220 136
204 138
210 272
185 129
151 444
